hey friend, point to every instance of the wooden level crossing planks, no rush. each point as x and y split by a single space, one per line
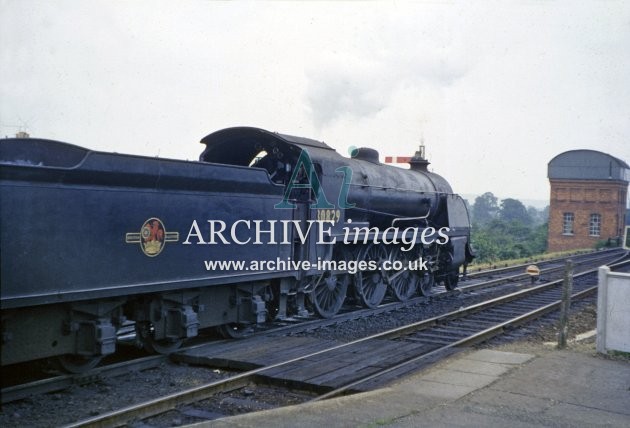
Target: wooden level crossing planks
331 370
385 354
249 353
320 364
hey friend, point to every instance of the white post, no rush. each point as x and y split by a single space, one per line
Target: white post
602 302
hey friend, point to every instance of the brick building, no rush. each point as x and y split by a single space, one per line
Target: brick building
588 199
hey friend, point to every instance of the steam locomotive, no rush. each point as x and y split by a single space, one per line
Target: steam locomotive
264 226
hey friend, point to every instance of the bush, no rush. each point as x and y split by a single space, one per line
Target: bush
503 240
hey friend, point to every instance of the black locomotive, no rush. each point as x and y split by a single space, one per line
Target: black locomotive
264 226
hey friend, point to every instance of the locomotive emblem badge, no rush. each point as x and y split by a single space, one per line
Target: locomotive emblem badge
152 237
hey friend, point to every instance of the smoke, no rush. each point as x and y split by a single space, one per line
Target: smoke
347 86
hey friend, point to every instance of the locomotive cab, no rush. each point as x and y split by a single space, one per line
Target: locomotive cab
251 147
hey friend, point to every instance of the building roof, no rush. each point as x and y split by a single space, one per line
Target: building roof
587 165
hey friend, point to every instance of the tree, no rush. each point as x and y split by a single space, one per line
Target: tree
538 238
484 245
514 210
544 215
538 216
508 231
534 214
485 208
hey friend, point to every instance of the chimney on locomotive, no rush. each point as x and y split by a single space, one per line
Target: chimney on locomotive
418 162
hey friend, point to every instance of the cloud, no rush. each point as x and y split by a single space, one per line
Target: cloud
361 84
495 90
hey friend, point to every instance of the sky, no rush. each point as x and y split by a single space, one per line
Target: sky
494 89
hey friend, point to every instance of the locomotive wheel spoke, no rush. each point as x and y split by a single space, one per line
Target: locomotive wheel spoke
329 293
403 283
369 284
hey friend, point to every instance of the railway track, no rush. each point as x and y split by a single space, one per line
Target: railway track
376 357
506 274
507 277
495 280
474 282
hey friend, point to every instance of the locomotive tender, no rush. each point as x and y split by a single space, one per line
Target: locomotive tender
91 240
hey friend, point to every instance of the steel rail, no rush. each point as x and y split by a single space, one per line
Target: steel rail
391 306
575 258
475 338
523 275
169 402
61 382
42 386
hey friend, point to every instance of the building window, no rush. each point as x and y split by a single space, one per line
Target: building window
595 225
567 224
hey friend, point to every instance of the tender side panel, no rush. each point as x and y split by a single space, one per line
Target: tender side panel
65 232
